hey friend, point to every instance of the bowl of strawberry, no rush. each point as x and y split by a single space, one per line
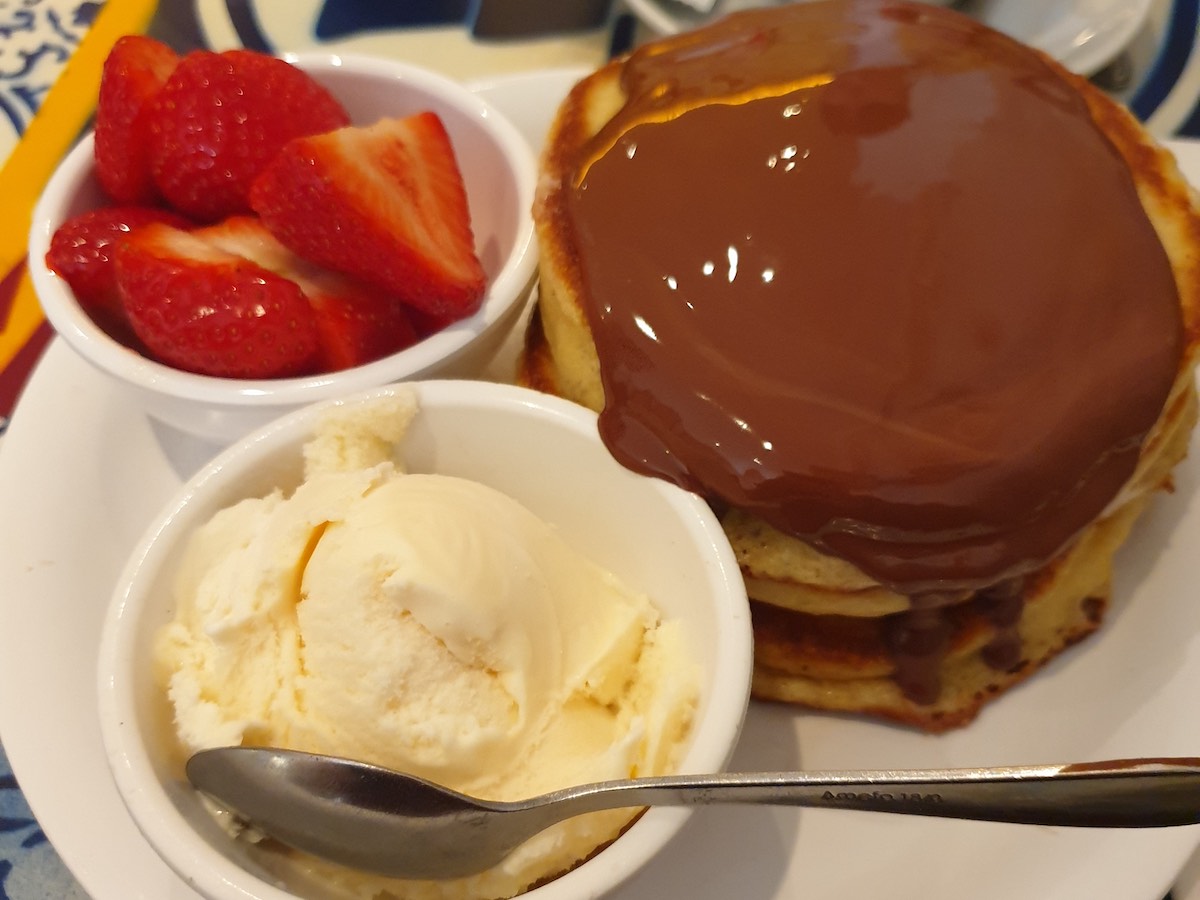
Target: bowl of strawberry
243 234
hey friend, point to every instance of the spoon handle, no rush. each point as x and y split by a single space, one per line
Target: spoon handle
1138 793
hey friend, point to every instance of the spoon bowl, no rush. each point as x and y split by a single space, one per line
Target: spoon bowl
378 820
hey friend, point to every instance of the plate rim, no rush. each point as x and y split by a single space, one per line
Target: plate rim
95 873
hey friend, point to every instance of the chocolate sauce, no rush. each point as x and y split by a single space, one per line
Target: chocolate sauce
870 270
1002 605
917 641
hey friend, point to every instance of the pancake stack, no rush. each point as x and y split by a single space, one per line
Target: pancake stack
917 311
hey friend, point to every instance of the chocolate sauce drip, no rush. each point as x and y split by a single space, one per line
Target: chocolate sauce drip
918 641
869 270
1002 604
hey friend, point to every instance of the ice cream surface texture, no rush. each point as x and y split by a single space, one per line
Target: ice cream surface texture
430 624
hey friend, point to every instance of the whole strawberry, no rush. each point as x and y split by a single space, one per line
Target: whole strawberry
221 117
134 72
82 252
385 203
200 308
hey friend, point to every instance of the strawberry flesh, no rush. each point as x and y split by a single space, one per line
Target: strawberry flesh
202 309
221 117
134 72
384 203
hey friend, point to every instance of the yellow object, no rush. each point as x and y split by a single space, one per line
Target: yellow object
53 130
22 321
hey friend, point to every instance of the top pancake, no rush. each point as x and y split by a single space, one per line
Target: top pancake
981 348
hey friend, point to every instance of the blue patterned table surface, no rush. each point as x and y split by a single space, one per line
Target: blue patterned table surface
29 867
36 36
29 62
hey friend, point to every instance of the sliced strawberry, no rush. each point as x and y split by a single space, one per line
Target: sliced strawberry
356 323
384 203
200 308
82 250
134 71
429 323
221 117
361 327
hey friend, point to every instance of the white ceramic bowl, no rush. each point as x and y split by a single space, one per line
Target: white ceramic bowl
543 451
499 169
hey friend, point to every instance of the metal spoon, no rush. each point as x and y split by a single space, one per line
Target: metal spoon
383 821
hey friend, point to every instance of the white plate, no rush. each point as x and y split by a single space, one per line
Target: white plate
82 472
1082 34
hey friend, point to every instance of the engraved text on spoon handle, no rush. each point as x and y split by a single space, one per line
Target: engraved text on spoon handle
1117 794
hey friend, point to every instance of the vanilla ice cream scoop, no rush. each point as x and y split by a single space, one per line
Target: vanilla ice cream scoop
429 624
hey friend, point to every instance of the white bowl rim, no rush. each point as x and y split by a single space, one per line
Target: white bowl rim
510 285
220 878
